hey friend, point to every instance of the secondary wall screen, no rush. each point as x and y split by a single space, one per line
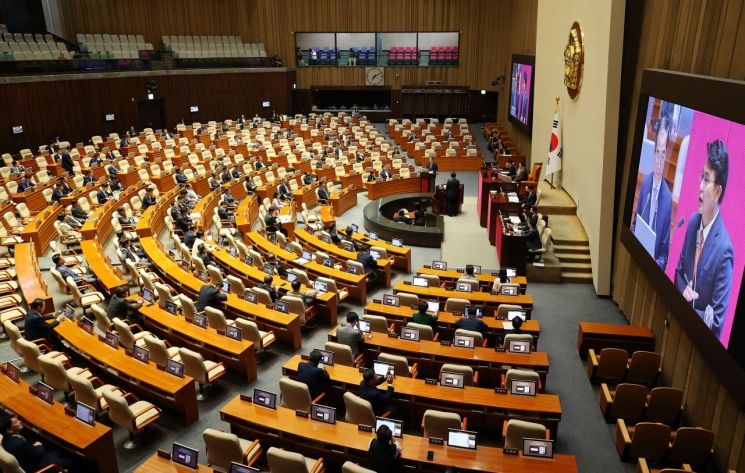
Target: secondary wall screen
520 87
688 207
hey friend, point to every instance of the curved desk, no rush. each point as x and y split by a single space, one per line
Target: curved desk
485 279
385 227
487 299
378 189
401 254
29 277
40 229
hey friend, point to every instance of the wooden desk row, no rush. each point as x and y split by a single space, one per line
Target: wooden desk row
626 337
378 189
431 355
144 378
95 444
488 300
401 254
485 279
343 201
342 255
29 277
40 229
343 441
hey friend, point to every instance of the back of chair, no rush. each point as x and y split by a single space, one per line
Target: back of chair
30 353
349 467
455 304
664 405
295 394
54 373
629 401
216 318
222 448
692 445
103 323
650 441
126 338
612 364
263 296
503 309
432 280
425 331
517 336
400 364
249 330
644 367
282 461
164 294
187 305
358 410
520 375
478 338
436 423
466 371
378 323
194 365
158 350
84 391
342 353
517 430
119 411
215 274
236 285
474 284
8 463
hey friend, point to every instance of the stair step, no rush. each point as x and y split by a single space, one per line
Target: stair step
559 241
573 257
570 276
560 248
578 267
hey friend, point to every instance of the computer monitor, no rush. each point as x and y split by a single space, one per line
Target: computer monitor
382 368
175 368
508 290
433 306
327 357
523 387
249 260
233 251
519 346
451 379
147 295
265 398
323 413
87 325
365 326
200 320
282 306
511 314
420 282
185 456
240 468
464 341
268 269
112 339
395 425
397 242
141 354
250 296
13 372
231 331
391 300
463 287
225 287
321 286
462 439
69 312
328 262
408 333
325 238
476 268
291 277
85 414
45 392
347 245
184 265
308 255
541 448
474 311
373 236
354 227
439 265
289 248
353 270
511 272
375 254
171 307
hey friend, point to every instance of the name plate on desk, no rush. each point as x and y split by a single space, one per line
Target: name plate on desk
392 335
364 428
511 451
164 454
408 283
69 411
304 357
377 301
428 267
446 343
460 270
495 274
432 381
436 441
457 314
246 397
499 390
499 349
303 414
362 369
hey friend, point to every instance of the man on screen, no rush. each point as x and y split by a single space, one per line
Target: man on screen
655 201
522 113
704 271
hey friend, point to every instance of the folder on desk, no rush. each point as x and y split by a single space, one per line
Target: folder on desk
515 220
513 198
645 234
285 218
300 261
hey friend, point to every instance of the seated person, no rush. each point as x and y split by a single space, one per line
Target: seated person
67 231
379 399
191 196
136 255
350 333
267 286
37 326
532 240
225 176
224 214
115 185
249 185
213 182
273 261
308 178
204 254
210 295
103 194
401 217
149 199
25 183
316 378
70 219
59 265
499 280
469 274
472 323
530 199
122 307
323 195
228 198
422 317
308 297
182 221
124 221
87 178
192 235
77 211
58 192
383 452
511 169
521 174
284 190
32 456
386 173
180 176
419 218
368 262
235 173
371 176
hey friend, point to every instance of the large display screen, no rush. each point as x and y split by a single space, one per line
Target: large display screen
683 212
521 90
688 205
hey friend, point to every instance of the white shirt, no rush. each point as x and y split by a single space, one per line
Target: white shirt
708 227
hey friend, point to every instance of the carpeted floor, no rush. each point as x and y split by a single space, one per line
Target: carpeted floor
559 308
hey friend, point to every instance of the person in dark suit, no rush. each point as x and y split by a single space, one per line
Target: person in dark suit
59 266
225 176
452 194
87 178
57 193
419 218
308 178
522 173
317 379
401 217
24 183
31 456
267 286
35 324
284 191
123 308
180 177
137 256
432 166
522 112
210 296
655 201
235 173
704 271
191 236
103 195
77 211
365 258
149 199
472 323
532 239
67 163
511 169
385 173
383 452
379 399
323 195
182 221
530 200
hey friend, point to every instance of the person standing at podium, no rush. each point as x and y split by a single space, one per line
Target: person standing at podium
432 166
452 191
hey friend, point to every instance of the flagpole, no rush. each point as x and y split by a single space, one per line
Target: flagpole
556 110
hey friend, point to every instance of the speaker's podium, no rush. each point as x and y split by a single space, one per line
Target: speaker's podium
427 181
439 200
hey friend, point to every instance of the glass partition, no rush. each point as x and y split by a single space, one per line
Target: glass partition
356 49
315 49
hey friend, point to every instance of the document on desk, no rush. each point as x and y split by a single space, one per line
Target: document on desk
515 220
645 234
513 199
507 325
300 261
284 218
195 215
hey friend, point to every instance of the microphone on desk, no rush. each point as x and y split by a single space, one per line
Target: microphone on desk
679 224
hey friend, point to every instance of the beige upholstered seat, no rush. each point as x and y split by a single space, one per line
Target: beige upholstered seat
132 417
455 304
349 467
400 365
282 461
203 371
436 423
224 448
343 354
127 338
378 323
160 353
295 395
103 323
358 410
86 393
55 374
516 430
250 331
503 309
478 337
83 300
407 300
30 352
425 331
469 378
216 319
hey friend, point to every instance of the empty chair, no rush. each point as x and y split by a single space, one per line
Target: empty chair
378 323
90 395
83 300
516 430
350 467
56 375
295 395
103 323
455 304
425 331
514 374
31 352
127 338
400 365
358 410
665 405
474 284
297 306
648 440
478 337
224 448
518 336
693 446
432 280
469 377
407 300
132 417
159 350
250 331
216 319
343 354
609 366
203 371
626 402
282 461
644 368
436 423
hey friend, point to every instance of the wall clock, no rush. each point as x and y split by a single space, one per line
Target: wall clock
374 76
574 61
